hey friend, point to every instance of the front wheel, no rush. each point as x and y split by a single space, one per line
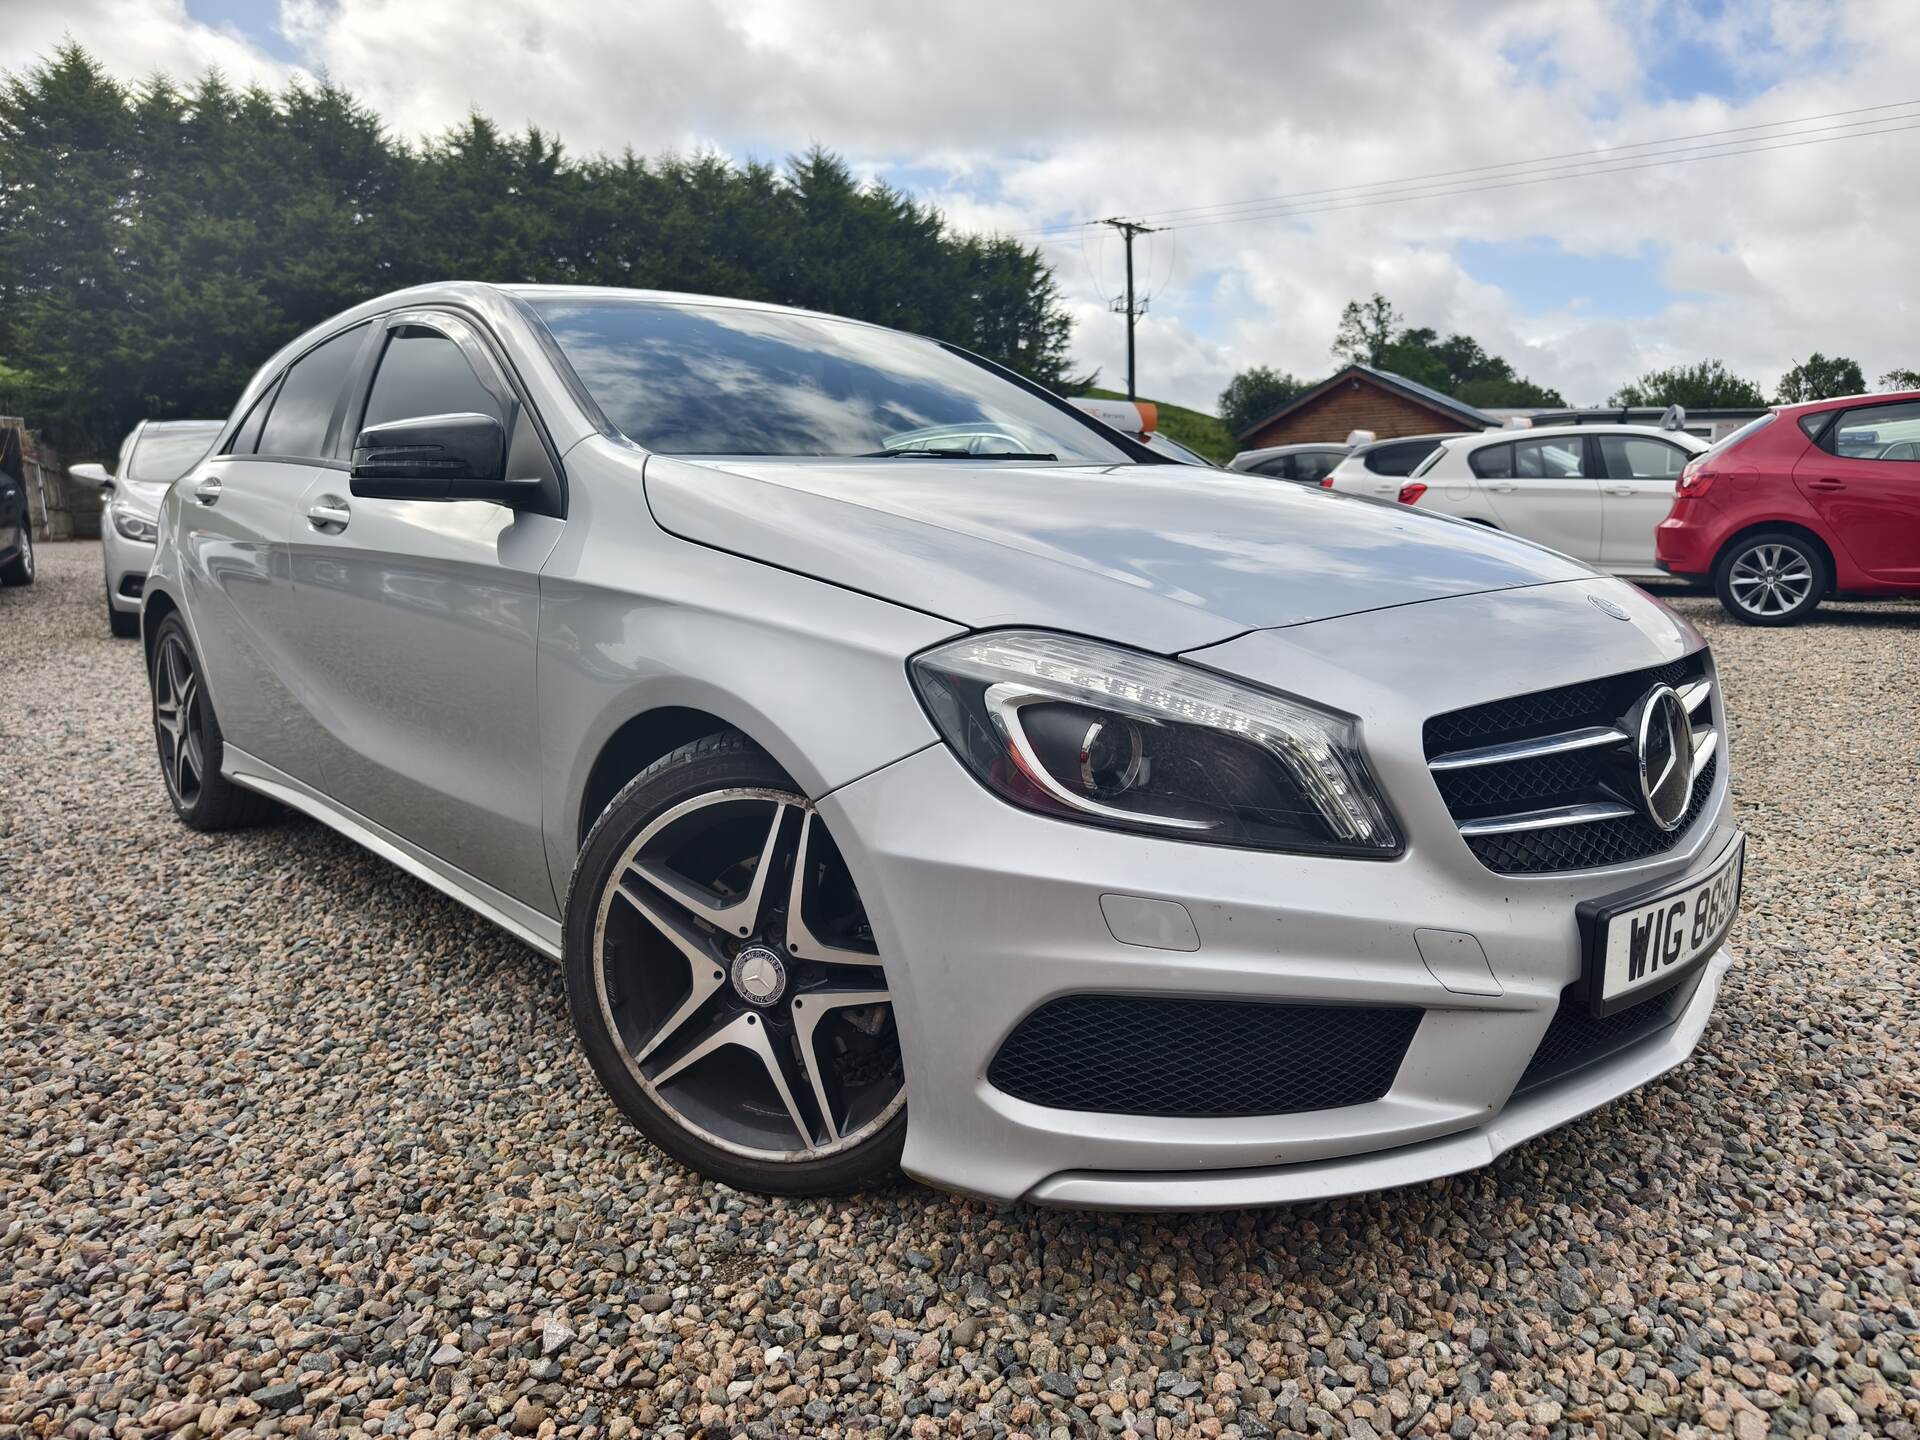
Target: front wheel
19 570
1772 578
725 984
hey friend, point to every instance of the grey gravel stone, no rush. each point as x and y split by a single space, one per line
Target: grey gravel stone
293 1145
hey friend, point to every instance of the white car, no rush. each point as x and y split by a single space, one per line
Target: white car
154 454
1307 464
1594 492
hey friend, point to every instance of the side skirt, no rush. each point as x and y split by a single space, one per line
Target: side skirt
519 920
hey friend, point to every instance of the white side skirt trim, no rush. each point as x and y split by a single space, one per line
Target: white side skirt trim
521 921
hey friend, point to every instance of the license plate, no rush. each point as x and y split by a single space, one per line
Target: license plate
1639 945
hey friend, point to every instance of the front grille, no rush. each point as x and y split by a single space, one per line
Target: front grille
1574 808
1577 1038
1138 1055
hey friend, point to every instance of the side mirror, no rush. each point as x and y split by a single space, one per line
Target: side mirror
438 457
91 474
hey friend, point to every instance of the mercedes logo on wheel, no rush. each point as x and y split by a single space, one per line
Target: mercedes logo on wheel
759 977
1663 734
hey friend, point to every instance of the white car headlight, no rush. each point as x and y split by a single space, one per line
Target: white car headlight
1092 732
135 526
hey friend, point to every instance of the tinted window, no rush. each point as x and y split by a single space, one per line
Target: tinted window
715 380
247 438
1876 432
164 455
1563 458
297 424
1399 459
1492 462
425 373
1280 467
1632 457
1316 463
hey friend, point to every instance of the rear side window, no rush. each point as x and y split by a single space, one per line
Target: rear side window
246 439
1492 462
1557 459
1632 457
1876 432
1280 467
1316 464
297 424
1399 459
425 373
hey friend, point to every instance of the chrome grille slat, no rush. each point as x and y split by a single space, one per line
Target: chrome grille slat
1549 819
1566 740
1695 695
1704 746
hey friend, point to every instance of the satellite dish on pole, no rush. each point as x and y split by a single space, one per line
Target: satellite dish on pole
1675 418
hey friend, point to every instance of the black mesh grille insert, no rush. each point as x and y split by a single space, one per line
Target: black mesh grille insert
1598 774
1137 1055
1577 1039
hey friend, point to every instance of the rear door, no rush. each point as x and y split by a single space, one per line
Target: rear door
235 508
418 620
1864 483
1639 473
1549 492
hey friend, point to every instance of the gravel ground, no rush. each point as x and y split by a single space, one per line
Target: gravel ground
292 1145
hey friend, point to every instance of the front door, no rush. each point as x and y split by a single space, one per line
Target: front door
1549 495
418 624
1636 494
1864 480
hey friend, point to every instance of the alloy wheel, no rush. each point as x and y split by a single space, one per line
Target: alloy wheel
740 980
177 721
1770 579
26 549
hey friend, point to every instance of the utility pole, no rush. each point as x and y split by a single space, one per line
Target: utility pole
1128 230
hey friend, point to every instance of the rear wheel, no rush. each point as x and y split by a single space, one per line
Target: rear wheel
1774 577
188 735
19 570
725 984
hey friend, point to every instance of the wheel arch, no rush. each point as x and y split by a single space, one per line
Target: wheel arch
634 745
155 606
1791 527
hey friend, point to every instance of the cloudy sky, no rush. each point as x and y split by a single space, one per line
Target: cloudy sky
1017 116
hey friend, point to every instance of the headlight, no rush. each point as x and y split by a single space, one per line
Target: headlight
1113 737
135 527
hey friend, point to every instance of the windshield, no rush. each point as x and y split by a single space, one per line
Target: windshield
715 380
163 456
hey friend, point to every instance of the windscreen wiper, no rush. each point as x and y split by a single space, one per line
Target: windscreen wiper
934 453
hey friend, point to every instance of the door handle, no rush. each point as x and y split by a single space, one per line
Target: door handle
329 514
1827 482
208 490
1619 490
1502 489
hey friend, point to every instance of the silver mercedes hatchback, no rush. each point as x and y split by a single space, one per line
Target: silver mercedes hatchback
912 773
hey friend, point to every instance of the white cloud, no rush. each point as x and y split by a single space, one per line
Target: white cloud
1035 112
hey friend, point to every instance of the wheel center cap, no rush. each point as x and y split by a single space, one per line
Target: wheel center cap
759 977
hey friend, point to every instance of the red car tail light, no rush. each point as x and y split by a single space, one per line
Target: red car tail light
1695 480
1411 492
1326 482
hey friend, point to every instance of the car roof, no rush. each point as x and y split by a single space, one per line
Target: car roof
153 425
1437 437
1552 432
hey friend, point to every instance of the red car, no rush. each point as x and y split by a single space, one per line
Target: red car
1805 502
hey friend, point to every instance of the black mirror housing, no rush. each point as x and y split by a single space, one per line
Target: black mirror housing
438 457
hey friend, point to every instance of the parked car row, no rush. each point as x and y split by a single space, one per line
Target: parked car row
1806 502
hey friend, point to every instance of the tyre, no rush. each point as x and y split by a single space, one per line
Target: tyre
123 625
188 735
1773 577
19 570
724 982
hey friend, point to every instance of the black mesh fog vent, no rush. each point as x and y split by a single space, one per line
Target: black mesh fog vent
1137 1055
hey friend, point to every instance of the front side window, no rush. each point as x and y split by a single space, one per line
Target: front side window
1492 462
297 424
1558 459
164 455
1633 457
421 373
1876 432
721 380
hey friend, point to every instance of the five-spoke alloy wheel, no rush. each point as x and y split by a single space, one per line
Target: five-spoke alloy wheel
188 735
1772 578
725 981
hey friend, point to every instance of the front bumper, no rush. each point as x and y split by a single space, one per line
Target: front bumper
985 912
127 563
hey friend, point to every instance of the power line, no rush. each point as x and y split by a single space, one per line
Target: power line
1129 231
1598 162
